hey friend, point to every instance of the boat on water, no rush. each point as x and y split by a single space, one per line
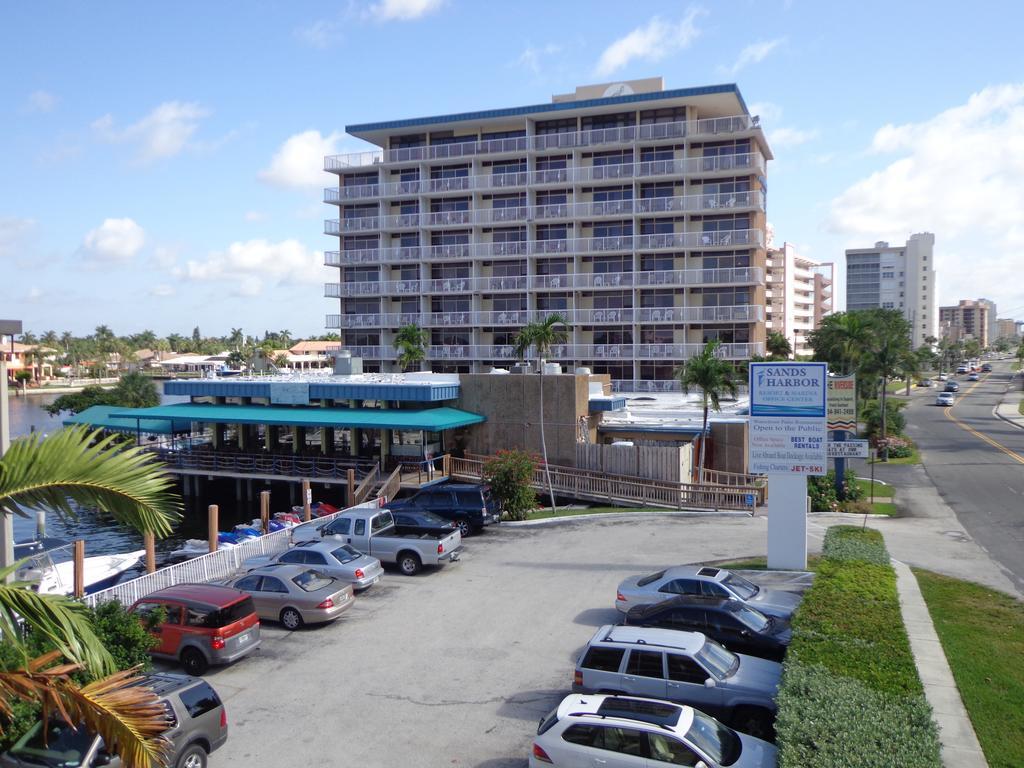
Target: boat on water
50 567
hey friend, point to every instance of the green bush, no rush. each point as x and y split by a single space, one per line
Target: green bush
509 474
898 447
850 693
830 722
871 415
822 490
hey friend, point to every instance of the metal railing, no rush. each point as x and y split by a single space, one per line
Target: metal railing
280 465
214 566
472 145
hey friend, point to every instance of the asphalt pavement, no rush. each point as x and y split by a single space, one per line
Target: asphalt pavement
976 462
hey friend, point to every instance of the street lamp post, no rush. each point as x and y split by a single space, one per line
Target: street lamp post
7 328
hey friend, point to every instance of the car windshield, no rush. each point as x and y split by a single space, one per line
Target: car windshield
311 581
429 518
716 659
649 579
346 554
750 618
221 617
715 740
64 746
740 586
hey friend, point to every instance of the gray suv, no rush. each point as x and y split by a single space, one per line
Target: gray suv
686 667
197 725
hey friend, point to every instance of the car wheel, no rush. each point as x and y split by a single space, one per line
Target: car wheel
193 757
291 619
409 563
464 527
755 722
194 662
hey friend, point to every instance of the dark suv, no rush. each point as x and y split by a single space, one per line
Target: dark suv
469 506
197 725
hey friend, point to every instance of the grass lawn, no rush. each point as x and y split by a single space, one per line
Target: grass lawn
881 490
913 458
886 508
1020 407
982 633
546 514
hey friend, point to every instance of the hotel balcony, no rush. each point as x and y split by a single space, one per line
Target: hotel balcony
606 137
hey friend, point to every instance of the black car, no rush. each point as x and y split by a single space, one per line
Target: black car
952 386
738 627
469 506
986 368
423 522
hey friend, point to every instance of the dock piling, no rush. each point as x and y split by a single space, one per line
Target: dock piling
212 526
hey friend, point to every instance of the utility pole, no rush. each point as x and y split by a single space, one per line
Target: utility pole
7 328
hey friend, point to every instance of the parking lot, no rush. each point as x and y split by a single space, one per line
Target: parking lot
454 667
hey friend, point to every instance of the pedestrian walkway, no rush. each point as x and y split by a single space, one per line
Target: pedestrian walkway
1009 408
960 745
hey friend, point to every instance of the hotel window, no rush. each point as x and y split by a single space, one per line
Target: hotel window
659 298
508 268
552 266
450 304
409 306
552 231
657 226
447 337
449 204
658 262
612 228
650 154
607 194
449 271
553 163
407 141
613 300
509 201
449 238
606 264
449 172
613 337
360 306
618 157
544 127
508 235
409 272
656 372
656 336
358 242
552 301
361 274
552 197
618 120
661 189
508 303
655 116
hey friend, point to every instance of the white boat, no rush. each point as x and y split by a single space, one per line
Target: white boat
57 577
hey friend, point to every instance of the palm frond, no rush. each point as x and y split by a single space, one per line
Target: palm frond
94 471
62 621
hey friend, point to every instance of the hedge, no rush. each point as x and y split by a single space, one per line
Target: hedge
850 693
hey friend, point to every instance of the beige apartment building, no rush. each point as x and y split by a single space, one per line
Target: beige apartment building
636 212
969 319
1005 329
798 294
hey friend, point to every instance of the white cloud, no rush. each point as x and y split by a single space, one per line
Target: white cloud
322 33
41 101
249 265
13 234
753 54
403 10
790 137
115 241
651 42
164 132
958 175
532 56
300 160
768 111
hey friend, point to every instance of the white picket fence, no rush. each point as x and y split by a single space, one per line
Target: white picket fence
221 564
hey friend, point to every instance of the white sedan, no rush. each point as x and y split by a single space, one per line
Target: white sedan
945 399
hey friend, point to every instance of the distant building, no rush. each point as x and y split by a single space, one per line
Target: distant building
1006 329
967 320
898 277
993 318
797 296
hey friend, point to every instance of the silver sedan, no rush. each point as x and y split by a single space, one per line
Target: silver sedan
295 594
328 556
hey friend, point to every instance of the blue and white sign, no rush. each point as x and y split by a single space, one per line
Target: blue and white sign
788 389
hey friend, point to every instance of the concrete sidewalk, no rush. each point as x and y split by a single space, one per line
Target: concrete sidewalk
960 747
1009 409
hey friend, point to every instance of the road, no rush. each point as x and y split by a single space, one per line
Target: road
976 462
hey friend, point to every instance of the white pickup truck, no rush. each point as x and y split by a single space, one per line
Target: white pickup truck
373 532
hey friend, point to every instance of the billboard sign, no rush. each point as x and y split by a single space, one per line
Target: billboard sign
788 389
842 404
787 418
848 449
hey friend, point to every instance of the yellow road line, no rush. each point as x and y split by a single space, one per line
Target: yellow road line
948 412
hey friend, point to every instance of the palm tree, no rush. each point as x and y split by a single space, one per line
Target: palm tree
778 346
411 344
885 361
541 336
81 467
714 377
236 339
236 359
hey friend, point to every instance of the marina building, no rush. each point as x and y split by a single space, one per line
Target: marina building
635 211
798 295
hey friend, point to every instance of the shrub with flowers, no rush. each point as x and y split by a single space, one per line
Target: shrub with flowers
898 447
509 474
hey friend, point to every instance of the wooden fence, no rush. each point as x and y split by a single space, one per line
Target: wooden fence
669 463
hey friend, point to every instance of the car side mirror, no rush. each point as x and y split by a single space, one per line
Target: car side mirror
710 683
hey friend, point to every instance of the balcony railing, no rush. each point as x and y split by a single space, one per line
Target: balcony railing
569 140
747 163
567 352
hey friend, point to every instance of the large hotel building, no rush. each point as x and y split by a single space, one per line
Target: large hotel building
636 212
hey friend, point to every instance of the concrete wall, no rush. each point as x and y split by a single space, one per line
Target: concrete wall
511 404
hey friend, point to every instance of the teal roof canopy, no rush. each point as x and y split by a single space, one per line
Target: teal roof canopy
101 417
430 419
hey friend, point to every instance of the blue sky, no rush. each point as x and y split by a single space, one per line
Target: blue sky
161 161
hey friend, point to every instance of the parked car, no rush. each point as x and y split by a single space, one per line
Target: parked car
295 594
421 520
974 376
685 667
707 581
200 624
373 532
945 399
925 383
952 386
627 731
735 625
197 725
331 558
469 506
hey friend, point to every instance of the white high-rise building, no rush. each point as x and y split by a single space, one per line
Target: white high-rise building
798 295
896 277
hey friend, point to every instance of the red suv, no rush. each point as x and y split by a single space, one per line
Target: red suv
202 624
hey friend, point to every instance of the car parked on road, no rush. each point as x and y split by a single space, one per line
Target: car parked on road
197 725
295 594
685 667
945 399
627 731
707 581
422 520
952 386
332 558
735 625
469 506
200 624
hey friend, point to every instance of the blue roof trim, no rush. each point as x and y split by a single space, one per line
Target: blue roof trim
486 114
412 392
613 403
